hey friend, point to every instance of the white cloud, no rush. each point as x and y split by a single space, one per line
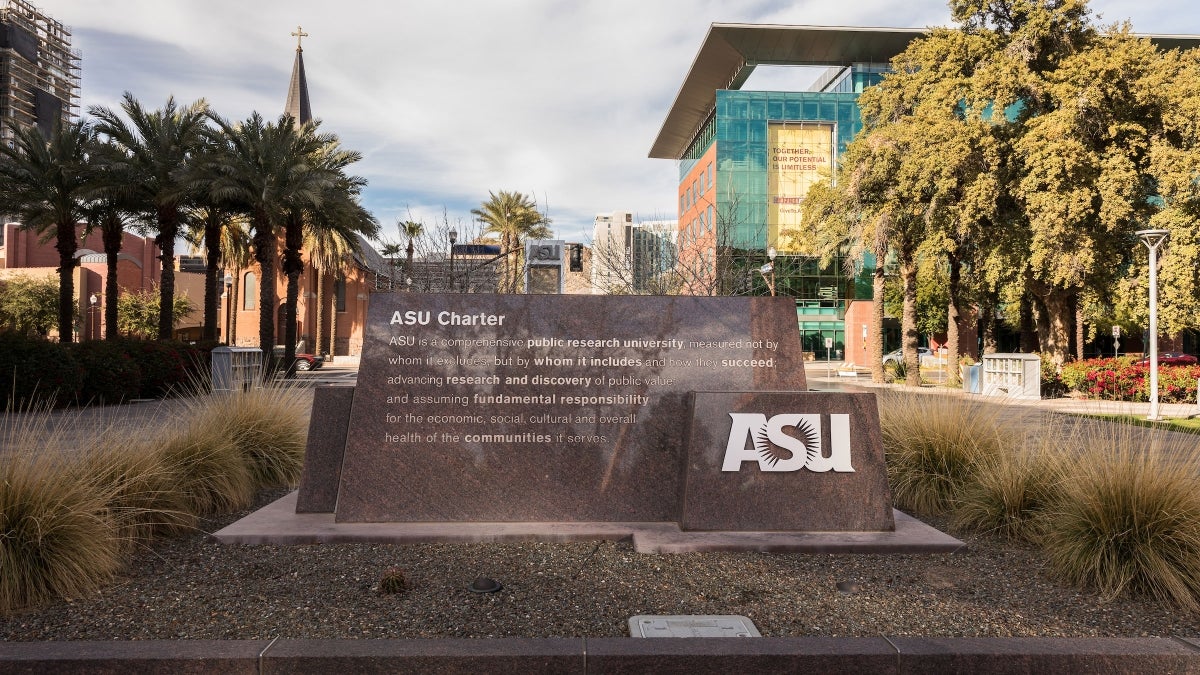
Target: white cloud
449 100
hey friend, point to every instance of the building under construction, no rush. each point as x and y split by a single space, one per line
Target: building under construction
39 73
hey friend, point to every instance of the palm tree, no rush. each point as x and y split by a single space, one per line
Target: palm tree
514 217
205 224
390 250
46 184
328 252
412 230
267 171
158 145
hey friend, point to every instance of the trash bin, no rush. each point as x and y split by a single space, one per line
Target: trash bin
971 379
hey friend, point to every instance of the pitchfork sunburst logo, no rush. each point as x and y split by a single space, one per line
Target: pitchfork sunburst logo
787 442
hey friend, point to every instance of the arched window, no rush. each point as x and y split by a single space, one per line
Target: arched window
249 291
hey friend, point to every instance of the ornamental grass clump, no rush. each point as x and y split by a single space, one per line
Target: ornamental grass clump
56 533
1127 519
1009 497
142 492
267 427
935 445
208 471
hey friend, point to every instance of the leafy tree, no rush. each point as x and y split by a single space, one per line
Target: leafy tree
28 306
515 217
138 312
158 145
47 184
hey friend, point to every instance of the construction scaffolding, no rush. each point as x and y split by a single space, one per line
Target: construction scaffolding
39 72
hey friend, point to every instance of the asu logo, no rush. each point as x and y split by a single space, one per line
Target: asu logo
775 449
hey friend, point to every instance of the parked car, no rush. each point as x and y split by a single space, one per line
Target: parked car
303 361
1171 359
897 357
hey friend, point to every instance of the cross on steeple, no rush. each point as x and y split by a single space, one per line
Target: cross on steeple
299 35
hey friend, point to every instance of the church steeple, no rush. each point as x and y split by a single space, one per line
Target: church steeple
297 100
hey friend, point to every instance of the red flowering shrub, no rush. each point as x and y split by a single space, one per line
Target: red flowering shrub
1123 379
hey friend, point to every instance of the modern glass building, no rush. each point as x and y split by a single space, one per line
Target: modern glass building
746 159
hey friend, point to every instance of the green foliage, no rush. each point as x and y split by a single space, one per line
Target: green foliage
34 370
110 374
161 364
1051 380
1123 379
138 312
28 306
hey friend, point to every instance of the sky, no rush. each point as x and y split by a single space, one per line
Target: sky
448 101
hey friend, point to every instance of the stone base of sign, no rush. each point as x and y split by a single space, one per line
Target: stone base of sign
327 429
279 524
828 475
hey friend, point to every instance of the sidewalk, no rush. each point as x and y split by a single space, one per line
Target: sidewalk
818 379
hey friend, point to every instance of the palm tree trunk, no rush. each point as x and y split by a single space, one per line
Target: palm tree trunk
908 322
212 276
952 318
65 244
319 332
168 228
231 338
875 344
265 254
112 235
293 266
333 312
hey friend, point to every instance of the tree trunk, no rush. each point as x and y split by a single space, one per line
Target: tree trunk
1055 333
952 319
875 341
212 276
112 234
66 244
908 322
987 326
1028 329
168 228
319 333
333 312
265 254
293 266
234 300
1079 332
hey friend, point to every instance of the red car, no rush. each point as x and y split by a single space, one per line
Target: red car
1171 359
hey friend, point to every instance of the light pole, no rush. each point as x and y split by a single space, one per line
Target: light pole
93 300
228 307
769 268
453 238
1153 239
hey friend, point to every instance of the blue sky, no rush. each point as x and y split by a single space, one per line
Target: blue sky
446 101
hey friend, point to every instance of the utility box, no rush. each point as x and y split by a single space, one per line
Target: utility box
236 368
972 378
1012 375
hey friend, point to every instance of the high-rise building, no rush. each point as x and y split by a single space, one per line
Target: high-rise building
39 72
630 257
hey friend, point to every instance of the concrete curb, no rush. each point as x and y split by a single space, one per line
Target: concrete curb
1157 656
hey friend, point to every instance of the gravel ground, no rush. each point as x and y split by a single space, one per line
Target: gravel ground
193 588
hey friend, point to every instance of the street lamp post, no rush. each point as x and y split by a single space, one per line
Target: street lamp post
769 268
1153 239
453 238
228 307
93 300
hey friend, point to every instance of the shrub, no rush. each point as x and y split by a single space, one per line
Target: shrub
161 365
392 581
1051 382
1009 497
1128 520
56 536
1123 379
33 369
208 471
935 445
110 375
268 427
